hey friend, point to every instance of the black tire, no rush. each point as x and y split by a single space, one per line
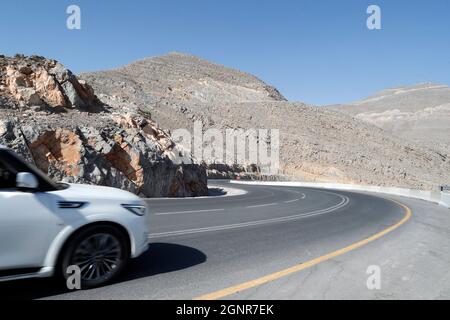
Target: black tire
98 266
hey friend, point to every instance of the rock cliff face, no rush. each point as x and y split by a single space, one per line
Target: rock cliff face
36 81
55 120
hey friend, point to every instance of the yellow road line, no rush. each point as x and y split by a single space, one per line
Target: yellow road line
302 266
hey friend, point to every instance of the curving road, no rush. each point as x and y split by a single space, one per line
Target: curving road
275 242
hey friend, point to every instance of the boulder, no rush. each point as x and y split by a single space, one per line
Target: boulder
27 79
49 89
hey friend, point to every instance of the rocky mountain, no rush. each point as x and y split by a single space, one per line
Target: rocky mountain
317 144
419 113
176 87
56 121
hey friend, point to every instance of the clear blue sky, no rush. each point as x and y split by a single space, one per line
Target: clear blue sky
315 51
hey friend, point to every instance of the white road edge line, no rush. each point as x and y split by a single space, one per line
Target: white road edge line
191 211
231 192
262 205
295 200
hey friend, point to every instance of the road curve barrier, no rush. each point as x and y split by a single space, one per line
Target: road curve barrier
441 198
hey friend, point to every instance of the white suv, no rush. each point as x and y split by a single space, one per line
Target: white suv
47 227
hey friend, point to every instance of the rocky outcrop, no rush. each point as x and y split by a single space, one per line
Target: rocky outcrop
127 158
36 81
55 121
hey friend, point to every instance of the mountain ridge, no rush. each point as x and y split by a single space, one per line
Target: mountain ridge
419 113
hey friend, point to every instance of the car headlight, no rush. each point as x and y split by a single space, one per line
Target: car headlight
136 209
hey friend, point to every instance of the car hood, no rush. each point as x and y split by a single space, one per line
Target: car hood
81 192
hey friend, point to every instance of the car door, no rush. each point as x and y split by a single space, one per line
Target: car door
27 223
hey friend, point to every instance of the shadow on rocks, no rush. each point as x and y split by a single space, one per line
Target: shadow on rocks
214 192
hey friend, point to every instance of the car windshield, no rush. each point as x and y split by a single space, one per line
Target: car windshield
16 164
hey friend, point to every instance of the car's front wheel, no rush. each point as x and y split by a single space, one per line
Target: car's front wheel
100 253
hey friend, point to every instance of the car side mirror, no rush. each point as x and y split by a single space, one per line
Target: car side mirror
27 181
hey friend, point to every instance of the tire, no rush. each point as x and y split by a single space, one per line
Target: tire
101 253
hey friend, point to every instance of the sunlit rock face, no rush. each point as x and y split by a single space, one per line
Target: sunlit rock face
55 121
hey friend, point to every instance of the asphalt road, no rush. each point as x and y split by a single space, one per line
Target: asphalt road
260 244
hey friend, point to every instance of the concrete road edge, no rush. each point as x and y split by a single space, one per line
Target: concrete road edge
441 198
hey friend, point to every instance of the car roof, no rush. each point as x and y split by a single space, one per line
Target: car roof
2 147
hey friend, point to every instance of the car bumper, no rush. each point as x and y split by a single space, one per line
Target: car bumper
140 234
139 251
